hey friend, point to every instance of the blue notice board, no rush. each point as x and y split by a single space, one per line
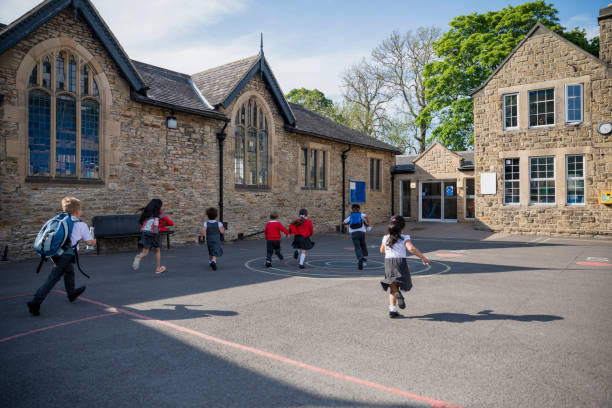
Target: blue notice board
450 191
358 192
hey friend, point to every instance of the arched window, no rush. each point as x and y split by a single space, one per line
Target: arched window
251 144
66 149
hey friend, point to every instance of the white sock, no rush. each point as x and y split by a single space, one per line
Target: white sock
302 258
403 292
392 308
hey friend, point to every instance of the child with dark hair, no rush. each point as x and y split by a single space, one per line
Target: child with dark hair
397 276
302 230
358 225
152 222
212 230
273 235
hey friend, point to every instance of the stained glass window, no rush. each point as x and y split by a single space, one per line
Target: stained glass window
33 77
65 136
251 135
90 140
39 133
96 93
72 70
59 72
252 157
84 81
46 73
239 155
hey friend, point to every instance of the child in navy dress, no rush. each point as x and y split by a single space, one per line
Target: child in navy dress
302 230
273 235
212 230
397 276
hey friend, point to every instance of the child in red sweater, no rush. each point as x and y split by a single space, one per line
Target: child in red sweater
273 235
302 229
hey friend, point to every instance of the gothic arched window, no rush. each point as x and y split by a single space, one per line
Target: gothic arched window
251 144
66 149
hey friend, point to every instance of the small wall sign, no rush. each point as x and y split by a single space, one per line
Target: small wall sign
606 197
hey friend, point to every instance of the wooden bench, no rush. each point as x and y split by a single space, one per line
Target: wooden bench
119 226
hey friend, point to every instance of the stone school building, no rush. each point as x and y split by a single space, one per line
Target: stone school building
543 137
79 117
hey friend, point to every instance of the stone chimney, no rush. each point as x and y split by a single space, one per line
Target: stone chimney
605 33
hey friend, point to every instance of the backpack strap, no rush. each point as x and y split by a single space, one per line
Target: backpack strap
43 259
76 258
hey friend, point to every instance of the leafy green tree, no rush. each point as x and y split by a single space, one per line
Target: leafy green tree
316 101
469 52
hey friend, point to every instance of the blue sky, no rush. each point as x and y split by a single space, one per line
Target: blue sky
307 43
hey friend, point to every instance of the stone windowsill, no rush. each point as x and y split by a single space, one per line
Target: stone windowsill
57 181
252 187
314 188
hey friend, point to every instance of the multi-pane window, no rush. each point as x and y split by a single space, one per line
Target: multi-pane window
573 97
542 107
470 195
511 111
511 181
575 179
314 168
542 180
251 144
65 149
375 174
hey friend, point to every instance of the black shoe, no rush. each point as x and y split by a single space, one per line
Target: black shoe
77 292
393 315
301 266
295 255
360 264
213 265
280 256
268 264
34 308
364 261
400 300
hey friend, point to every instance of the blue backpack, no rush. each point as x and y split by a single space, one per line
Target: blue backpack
355 220
54 237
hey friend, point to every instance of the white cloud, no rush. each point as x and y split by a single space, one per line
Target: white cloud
582 21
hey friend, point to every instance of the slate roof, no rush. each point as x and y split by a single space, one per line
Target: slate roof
217 83
172 90
405 159
313 124
2 26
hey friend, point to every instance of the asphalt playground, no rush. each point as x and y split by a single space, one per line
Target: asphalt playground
494 321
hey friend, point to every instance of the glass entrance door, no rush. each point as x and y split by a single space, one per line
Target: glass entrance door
431 201
438 201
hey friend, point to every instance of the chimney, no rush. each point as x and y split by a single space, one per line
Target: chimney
605 33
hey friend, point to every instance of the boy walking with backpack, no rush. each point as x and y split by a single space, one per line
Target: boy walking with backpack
62 248
358 223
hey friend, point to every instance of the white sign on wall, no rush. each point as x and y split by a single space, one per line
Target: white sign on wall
488 183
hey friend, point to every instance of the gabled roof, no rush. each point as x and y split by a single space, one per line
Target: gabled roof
466 157
172 90
434 144
221 85
537 26
39 15
312 124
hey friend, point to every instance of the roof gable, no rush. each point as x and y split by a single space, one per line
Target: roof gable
35 18
221 85
536 27
433 145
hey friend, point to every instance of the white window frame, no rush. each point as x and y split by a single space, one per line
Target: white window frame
573 178
512 180
567 120
553 179
553 112
504 111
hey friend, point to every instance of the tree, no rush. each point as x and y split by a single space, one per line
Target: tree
316 101
469 52
365 97
401 60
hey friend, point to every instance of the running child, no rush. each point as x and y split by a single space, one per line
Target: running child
152 222
358 223
273 235
397 276
212 230
302 230
63 263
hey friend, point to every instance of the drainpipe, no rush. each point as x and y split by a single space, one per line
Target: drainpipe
343 228
392 192
221 138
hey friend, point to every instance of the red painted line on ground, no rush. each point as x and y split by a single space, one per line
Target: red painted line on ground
16 336
433 402
15 296
593 263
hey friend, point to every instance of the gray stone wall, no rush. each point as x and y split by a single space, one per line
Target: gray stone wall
545 61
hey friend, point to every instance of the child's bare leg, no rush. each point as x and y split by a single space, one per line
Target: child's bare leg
145 252
158 257
213 258
392 289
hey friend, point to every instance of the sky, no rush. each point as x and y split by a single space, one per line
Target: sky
308 43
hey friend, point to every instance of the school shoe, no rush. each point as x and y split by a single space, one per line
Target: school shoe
77 292
393 315
136 263
295 254
400 300
34 308
364 261
268 264
280 256
301 266
360 264
213 265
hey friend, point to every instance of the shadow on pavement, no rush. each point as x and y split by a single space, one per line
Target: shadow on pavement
181 312
482 316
